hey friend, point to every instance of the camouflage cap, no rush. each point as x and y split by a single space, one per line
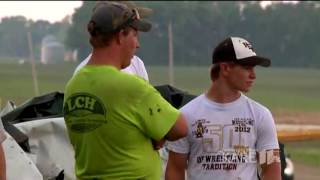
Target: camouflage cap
143 11
109 17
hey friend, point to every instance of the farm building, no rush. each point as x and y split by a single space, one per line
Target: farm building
52 51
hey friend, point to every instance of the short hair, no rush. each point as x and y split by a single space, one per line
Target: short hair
98 39
214 72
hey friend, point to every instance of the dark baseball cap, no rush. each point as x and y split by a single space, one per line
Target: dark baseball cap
239 51
110 17
144 12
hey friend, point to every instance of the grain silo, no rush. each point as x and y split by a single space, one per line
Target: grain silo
52 51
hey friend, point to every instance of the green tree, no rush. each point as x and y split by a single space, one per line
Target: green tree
77 36
14 37
286 33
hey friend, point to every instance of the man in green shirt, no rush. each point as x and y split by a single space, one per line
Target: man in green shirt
115 120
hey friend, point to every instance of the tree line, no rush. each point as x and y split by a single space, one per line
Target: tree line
286 33
13 35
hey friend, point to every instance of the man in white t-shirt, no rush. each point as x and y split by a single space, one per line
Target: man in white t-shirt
2 156
230 135
136 67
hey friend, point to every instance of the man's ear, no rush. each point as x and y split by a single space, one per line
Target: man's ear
119 37
224 68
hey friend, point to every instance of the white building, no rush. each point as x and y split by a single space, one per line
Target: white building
52 51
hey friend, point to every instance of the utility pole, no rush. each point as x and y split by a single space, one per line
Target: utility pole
171 74
33 65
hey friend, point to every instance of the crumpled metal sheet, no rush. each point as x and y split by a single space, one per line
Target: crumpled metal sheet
19 165
50 146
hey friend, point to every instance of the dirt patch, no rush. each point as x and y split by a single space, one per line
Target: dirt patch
301 170
286 117
305 172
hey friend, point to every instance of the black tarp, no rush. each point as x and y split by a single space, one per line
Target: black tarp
44 106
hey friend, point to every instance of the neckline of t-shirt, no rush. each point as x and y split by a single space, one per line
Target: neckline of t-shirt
99 66
224 105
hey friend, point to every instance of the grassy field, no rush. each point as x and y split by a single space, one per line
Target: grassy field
305 152
280 89
17 85
277 88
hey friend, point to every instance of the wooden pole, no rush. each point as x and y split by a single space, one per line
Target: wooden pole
33 65
170 37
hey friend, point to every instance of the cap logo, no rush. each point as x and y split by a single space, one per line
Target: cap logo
136 13
247 45
242 48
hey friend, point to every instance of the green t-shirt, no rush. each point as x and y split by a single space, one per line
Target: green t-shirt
111 118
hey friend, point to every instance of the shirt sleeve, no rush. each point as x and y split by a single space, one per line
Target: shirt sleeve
266 133
2 132
182 145
179 146
82 64
156 115
141 69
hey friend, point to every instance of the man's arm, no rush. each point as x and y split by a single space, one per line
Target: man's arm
2 164
268 148
271 168
176 166
178 130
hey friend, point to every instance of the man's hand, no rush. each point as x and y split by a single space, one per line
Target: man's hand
158 144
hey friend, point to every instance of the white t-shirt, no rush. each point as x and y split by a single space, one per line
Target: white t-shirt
223 138
136 67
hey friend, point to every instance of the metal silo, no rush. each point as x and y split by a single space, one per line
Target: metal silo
52 51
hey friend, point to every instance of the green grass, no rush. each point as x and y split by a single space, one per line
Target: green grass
306 152
17 84
277 88
195 80
289 89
